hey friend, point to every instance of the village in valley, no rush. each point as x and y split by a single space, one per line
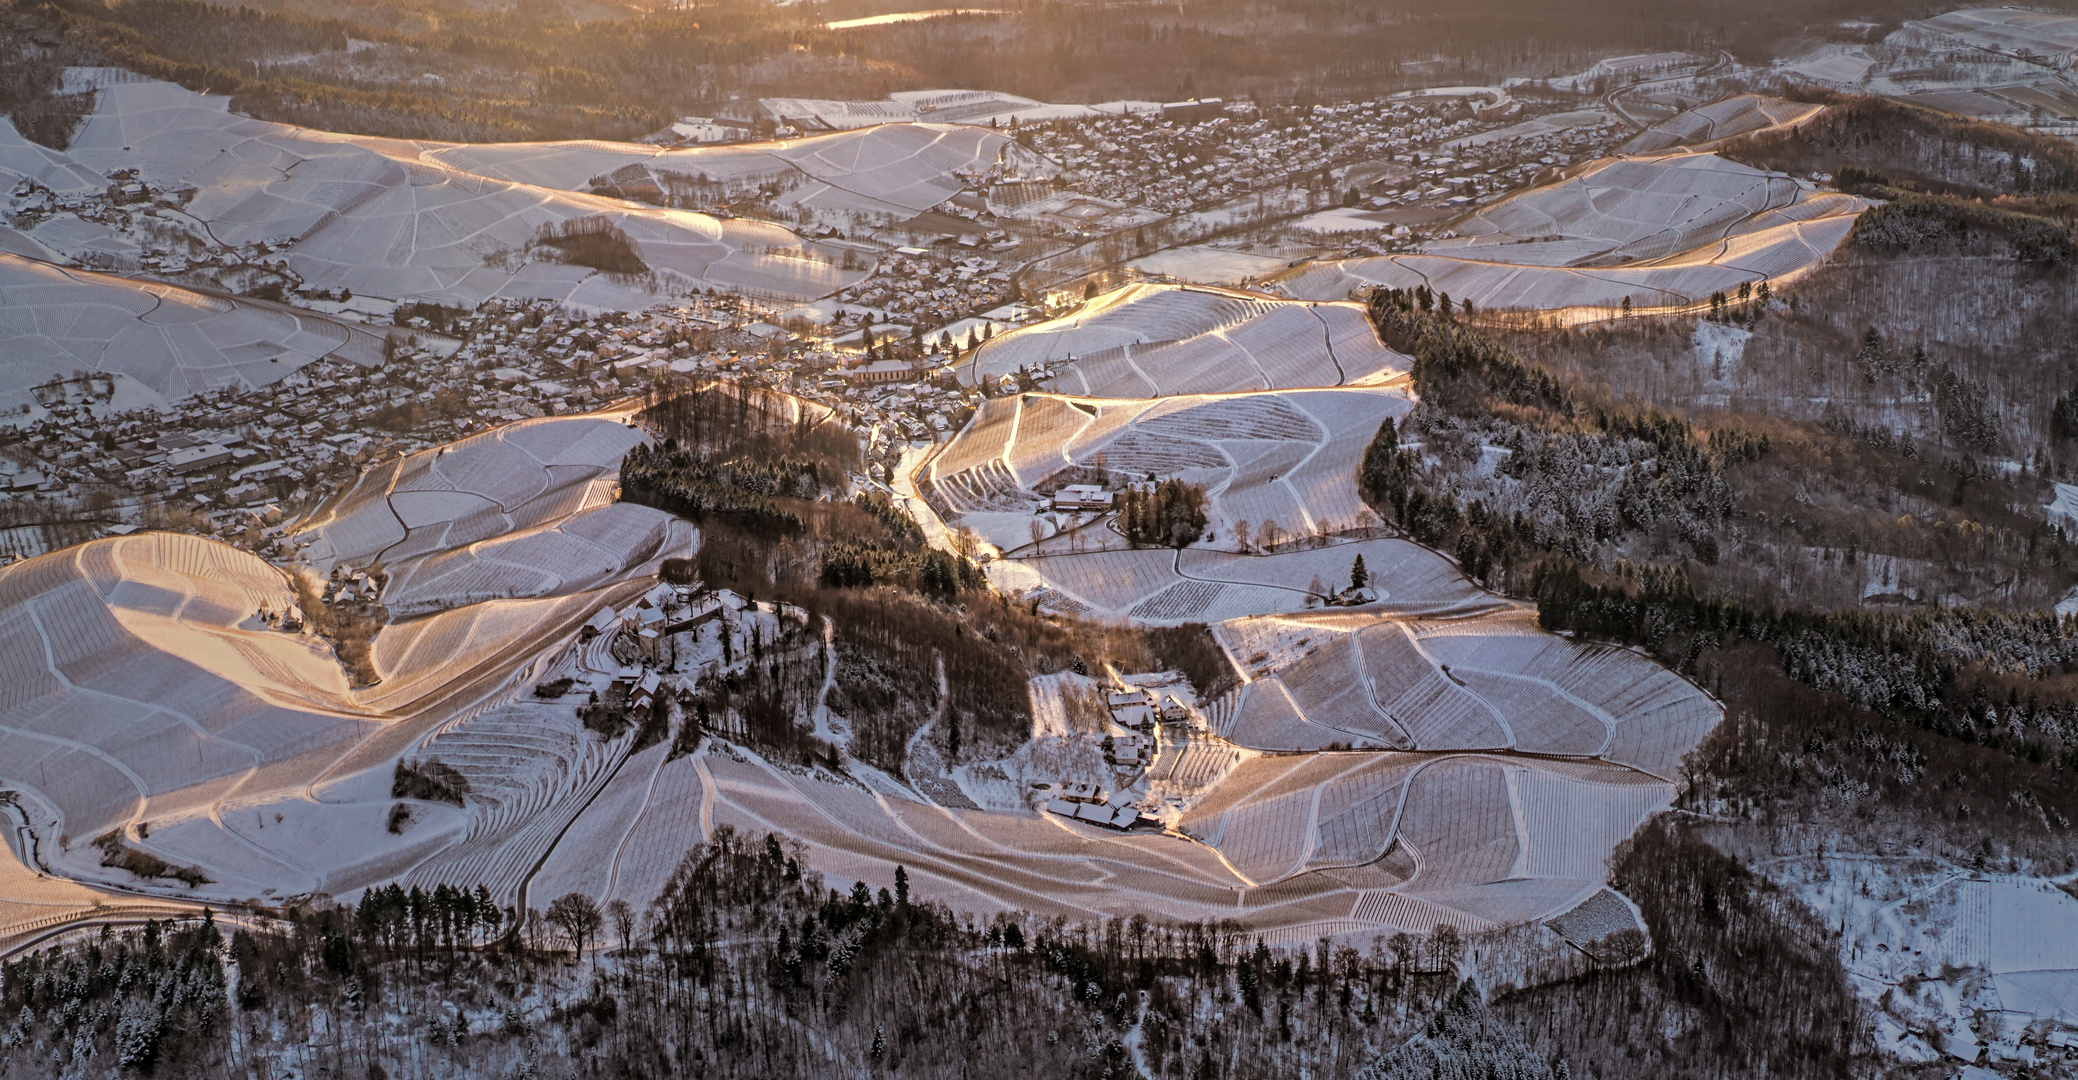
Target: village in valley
1371 532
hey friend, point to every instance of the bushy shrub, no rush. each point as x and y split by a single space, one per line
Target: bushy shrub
432 780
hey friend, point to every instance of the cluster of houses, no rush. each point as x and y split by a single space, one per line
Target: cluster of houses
237 455
1083 802
1176 162
1143 711
346 585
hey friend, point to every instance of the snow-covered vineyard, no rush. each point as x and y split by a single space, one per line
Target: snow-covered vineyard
164 694
471 666
388 219
267 771
1618 234
1399 753
1156 341
156 344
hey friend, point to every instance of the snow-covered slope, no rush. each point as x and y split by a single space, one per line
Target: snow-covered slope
385 218
1158 340
159 342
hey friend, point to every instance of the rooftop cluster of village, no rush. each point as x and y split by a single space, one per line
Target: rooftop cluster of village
234 460
231 462
1176 165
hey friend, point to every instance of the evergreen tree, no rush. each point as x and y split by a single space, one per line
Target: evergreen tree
2063 416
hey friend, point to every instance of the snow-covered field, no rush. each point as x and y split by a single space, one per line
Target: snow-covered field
1659 232
1294 846
1208 265
1487 683
1160 340
157 343
141 691
1284 459
1705 125
1548 124
2008 65
1158 586
2008 29
389 219
519 511
886 168
1951 961
258 764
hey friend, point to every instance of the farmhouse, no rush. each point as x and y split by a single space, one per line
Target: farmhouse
1080 791
1128 751
642 697
1079 497
1123 817
1133 708
600 623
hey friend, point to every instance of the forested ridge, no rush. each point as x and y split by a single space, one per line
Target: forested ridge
550 69
1906 705
747 964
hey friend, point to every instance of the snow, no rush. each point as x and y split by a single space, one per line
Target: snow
1740 114
21 159
1839 65
2065 505
1662 232
1720 348
1493 681
1343 219
1548 124
138 691
393 220
2009 29
1152 340
902 17
160 343
883 168
1284 458
1207 265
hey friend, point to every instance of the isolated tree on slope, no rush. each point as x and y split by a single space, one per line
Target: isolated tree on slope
1358 576
577 916
623 922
